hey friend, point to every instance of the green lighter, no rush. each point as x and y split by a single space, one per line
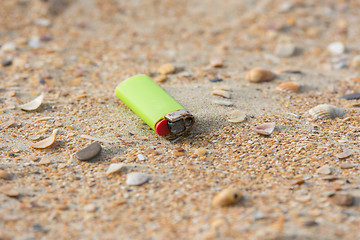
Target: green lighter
154 106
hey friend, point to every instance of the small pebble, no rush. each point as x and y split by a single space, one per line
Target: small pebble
216 61
5 175
160 78
43 22
141 157
324 170
9 191
8 47
342 199
6 63
355 62
336 48
221 93
258 75
44 161
200 152
34 42
166 69
88 152
226 197
346 153
216 80
90 207
223 103
285 49
353 96
136 178
346 165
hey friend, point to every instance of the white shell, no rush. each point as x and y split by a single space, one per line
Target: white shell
265 129
326 111
136 178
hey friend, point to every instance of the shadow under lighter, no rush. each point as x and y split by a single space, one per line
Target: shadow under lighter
154 106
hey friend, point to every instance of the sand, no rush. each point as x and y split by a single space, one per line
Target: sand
77 52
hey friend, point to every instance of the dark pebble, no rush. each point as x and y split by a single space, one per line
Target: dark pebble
6 63
89 152
39 228
216 80
310 223
353 96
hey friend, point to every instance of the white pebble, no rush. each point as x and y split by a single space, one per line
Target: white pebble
43 22
336 48
8 47
141 157
285 49
114 168
223 102
136 178
34 42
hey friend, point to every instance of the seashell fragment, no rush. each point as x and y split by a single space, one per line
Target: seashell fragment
353 96
221 93
257 75
88 152
34 104
115 168
288 87
326 111
237 116
346 153
136 178
226 197
166 69
221 87
223 103
265 129
47 142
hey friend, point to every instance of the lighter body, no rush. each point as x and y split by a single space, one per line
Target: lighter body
154 106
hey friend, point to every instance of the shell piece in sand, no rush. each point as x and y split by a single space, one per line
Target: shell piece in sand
288 87
47 142
257 75
326 111
265 129
237 116
34 104
226 197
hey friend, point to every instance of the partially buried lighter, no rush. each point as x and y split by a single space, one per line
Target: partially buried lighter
154 106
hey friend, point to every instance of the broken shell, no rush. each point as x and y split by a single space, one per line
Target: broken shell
346 153
226 197
88 152
237 116
221 93
136 178
260 75
47 142
265 129
223 103
166 69
115 168
326 111
34 104
221 87
288 87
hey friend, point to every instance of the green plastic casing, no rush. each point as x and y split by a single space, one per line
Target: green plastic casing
147 99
